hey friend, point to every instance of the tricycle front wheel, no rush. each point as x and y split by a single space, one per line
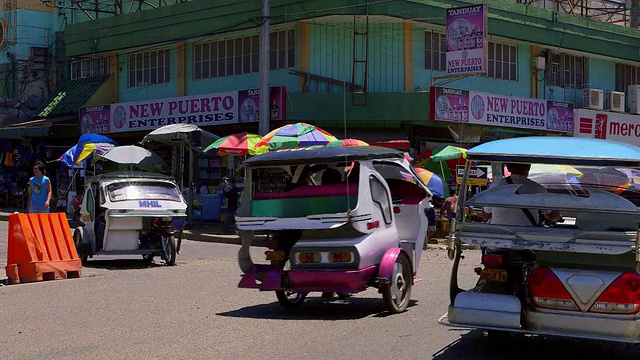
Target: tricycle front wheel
290 300
169 250
397 292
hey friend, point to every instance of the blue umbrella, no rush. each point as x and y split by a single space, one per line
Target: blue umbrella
70 157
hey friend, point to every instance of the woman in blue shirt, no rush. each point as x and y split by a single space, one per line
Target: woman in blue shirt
39 190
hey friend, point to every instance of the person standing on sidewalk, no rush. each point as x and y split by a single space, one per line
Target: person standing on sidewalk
39 190
231 194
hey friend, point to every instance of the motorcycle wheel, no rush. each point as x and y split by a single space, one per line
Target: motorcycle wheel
397 293
290 300
169 250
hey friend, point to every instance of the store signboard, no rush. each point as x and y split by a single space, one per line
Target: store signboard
476 107
478 175
95 119
467 40
607 125
203 110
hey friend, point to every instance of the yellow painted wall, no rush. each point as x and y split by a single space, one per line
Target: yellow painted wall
304 39
107 93
408 56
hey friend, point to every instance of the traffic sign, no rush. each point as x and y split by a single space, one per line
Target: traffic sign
477 175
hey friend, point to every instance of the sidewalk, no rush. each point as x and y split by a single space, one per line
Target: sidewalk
214 232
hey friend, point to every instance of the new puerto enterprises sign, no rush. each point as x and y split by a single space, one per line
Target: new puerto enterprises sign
467 40
475 107
608 125
202 110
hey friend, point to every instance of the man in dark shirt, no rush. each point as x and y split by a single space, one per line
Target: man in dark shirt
231 194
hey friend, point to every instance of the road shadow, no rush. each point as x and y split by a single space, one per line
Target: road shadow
316 308
476 345
122 264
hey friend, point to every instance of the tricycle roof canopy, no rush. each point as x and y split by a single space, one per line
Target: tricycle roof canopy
131 175
323 154
558 150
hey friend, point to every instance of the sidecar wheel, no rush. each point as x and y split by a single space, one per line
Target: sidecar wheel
397 293
148 258
290 300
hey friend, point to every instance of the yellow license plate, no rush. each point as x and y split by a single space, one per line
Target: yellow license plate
275 255
493 275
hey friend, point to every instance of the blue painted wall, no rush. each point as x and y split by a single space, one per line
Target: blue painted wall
34 29
331 55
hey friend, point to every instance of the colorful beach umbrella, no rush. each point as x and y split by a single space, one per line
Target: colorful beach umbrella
434 183
295 136
348 142
238 144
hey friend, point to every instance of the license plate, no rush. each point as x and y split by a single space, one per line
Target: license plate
493 275
275 255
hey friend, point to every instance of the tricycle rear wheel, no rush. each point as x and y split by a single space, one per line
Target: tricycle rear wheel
169 250
397 292
290 300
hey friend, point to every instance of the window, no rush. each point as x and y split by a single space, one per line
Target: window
82 69
380 196
626 75
567 71
143 191
241 55
150 68
503 61
435 51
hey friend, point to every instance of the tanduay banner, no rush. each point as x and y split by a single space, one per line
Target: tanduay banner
476 107
466 35
203 110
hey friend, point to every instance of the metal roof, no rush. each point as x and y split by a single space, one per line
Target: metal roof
69 96
558 150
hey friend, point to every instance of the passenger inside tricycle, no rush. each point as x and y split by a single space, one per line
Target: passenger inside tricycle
559 240
336 225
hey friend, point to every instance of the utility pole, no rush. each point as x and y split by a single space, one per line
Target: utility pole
265 23
634 13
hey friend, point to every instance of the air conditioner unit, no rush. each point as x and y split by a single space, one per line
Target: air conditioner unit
615 101
592 99
634 99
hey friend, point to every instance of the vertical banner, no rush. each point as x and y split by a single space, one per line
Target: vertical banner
95 119
467 40
248 101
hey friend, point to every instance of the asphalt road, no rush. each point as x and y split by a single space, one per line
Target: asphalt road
124 309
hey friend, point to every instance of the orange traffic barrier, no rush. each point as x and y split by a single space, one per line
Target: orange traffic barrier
41 248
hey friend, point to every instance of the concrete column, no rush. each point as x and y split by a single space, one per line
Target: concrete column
181 68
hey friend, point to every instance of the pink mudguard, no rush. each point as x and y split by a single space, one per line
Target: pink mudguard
388 260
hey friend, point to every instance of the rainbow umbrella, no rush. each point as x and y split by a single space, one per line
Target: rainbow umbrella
238 144
434 183
295 136
347 142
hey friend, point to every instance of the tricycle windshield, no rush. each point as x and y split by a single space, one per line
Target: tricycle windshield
578 180
143 190
302 190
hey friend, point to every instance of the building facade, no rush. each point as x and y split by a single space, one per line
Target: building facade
360 69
